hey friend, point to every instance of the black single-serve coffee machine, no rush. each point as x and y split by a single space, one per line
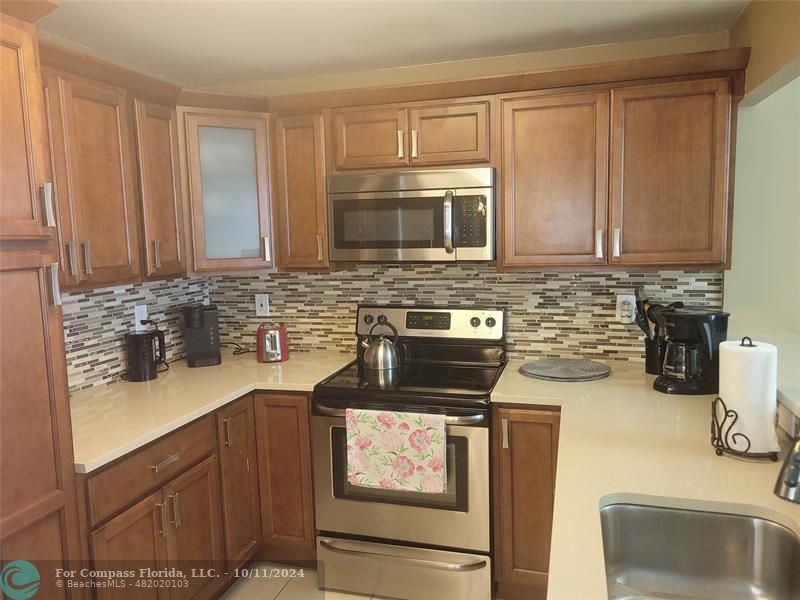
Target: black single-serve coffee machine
691 357
201 335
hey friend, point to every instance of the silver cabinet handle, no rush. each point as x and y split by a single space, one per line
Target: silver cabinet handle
50 216
56 291
87 257
414 143
267 249
419 562
400 143
617 243
598 243
72 253
157 253
504 427
163 507
166 462
320 256
463 420
228 438
176 512
448 222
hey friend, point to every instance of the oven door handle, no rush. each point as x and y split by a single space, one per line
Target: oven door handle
448 420
419 562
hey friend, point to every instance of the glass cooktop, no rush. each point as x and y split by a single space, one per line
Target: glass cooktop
468 382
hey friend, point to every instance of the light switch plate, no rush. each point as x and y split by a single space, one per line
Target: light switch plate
626 308
139 315
262 305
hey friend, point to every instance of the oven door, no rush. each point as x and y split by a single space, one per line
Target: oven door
397 225
459 518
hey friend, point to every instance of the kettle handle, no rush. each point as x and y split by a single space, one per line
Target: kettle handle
387 324
162 347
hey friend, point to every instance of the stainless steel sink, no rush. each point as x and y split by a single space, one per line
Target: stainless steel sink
653 552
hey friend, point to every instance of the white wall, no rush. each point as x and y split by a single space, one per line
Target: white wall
762 289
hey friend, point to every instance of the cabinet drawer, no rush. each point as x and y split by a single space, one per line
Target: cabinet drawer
124 482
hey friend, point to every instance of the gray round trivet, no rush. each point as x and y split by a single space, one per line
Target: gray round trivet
565 369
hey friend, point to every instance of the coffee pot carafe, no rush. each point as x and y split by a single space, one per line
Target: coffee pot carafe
145 351
380 353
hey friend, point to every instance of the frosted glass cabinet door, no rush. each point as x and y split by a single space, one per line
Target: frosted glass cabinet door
227 158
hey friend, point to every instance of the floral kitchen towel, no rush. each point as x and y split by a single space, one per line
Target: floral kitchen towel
396 450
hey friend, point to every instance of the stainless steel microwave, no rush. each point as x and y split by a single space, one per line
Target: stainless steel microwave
443 215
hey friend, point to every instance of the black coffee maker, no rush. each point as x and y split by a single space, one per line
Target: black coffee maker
691 356
144 356
201 335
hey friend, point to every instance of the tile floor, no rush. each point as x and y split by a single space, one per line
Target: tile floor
283 587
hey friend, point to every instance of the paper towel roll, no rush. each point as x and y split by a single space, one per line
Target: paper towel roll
748 379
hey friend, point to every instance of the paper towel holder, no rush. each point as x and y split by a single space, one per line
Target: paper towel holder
749 343
721 436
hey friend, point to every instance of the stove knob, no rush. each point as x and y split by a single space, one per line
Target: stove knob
368 319
475 322
491 322
382 319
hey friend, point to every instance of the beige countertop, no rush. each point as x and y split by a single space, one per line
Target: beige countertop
621 441
110 421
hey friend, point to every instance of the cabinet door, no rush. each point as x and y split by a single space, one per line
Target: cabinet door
525 451
370 138
38 515
450 133
669 173
555 174
135 539
236 433
284 463
23 143
95 153
195 538
228 190
301 200
159 182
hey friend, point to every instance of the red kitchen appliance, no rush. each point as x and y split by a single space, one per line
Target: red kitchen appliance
272 343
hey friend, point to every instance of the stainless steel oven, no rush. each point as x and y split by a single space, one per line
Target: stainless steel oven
443 215
404 544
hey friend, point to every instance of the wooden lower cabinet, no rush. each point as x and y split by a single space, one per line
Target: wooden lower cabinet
285 483
177 526
238 465
525 449
38 507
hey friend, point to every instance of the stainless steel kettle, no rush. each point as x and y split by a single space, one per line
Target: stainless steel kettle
381 352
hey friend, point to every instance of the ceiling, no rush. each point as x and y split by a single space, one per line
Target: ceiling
199 43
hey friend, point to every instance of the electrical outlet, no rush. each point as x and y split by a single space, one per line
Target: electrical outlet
262 305
139 315
626 308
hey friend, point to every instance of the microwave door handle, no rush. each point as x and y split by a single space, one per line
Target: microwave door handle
448 222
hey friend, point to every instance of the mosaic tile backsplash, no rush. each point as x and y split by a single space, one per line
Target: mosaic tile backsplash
95 322
549 313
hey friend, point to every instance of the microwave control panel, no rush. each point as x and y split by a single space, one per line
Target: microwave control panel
469 221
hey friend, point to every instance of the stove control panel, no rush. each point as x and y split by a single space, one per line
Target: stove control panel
412 321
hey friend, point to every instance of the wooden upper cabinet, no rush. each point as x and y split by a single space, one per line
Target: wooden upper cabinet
23 143
286 489
554 179
92 148
300 196
449 133
159 186
228 188
670 153
370 138
525 447
236 433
